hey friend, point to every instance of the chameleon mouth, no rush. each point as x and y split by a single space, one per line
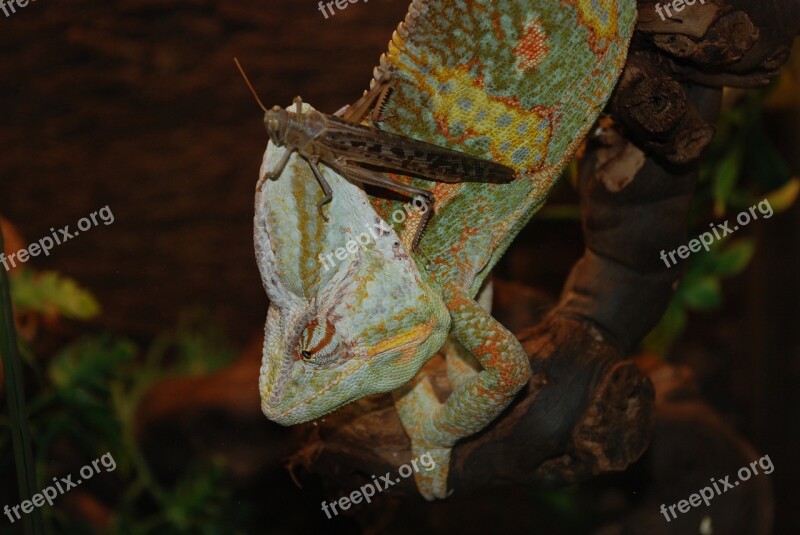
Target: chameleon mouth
298 408
279 379
275 394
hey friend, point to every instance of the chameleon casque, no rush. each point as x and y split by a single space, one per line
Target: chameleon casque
513 81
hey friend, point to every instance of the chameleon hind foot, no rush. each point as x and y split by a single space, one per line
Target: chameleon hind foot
412 406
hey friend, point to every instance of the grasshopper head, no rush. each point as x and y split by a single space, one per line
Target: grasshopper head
276 121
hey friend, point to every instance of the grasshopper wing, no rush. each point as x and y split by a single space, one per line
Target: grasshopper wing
361 145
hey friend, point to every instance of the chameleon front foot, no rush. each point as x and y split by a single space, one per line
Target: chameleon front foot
414 406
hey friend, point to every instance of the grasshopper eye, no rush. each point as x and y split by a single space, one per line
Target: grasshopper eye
275 123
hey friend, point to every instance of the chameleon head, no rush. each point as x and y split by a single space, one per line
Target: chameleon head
363 328
323 355
276 121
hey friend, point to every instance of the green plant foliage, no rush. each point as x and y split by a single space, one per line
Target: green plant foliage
741 151
86 402
784 197
50 293
672 324
725 177
741 169
19 435
700 289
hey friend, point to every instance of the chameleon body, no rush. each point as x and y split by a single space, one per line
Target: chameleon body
514 81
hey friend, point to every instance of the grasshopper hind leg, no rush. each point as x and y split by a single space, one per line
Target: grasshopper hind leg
374 100
326 188
361 175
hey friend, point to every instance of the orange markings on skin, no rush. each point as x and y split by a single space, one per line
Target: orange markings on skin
458 246
329 329
531 47
489 392
598 31
498 27
444 128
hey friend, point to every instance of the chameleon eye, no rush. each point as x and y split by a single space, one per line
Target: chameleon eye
306 355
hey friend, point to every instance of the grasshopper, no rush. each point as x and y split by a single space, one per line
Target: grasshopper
356 151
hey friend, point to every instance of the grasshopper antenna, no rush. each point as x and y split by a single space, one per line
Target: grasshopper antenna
247 81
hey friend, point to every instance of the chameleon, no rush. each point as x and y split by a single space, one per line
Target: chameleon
513 81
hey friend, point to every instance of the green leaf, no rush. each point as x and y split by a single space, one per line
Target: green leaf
700 293
734 258
784 197
198 345
725 178
762 160
198 498
702 262
663 335
87 365
16 404
50 293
